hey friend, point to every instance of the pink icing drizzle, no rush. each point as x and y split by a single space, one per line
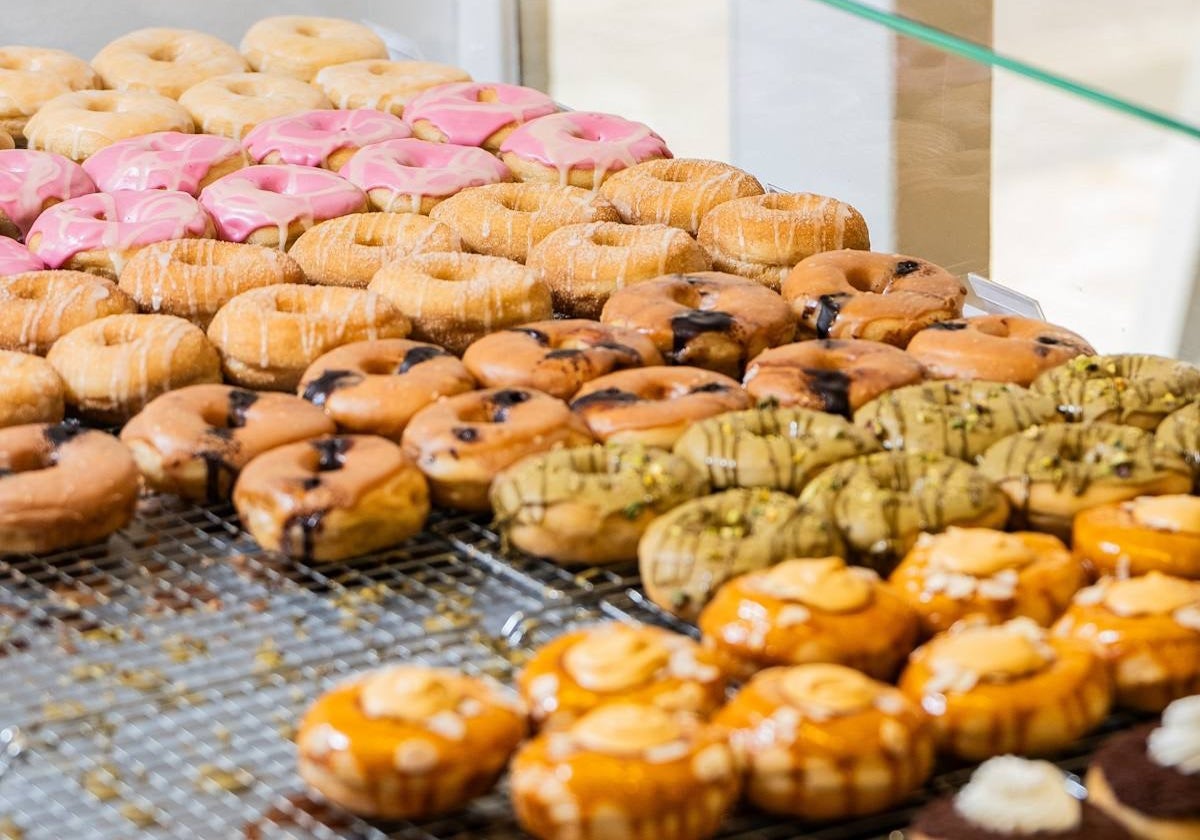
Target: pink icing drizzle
420 168
309 139
15 258
456 111
166 160
116 221
275 196
29 178
585 140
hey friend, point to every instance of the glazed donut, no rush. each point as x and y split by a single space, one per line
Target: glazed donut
232 104
16 259
507 220
331 498
165 160
273 205
193 442
113 366
39 307
462 442
297 46
1146 534
1180 433
375 387
864 294
996 348
653 406
558 357
454 299
414 176
1133 390
383 85
349 250
325 138
6 140
828 374
269 336
100 232
589 505
579 148
77 125
474 113
165 61
30 77
708 319
676 192
30 390
764 236
193 278
62 486
30 182
584 264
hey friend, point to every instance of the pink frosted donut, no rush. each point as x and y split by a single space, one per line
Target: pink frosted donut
580 148
474 113
31 181
99 232
273 205
414 175
165 160
322 138
15 258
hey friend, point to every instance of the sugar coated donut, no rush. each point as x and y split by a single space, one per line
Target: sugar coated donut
349 250
165 61
232 104
415 175
30 77
676 192
77 125
31 390
1131 389
297 46
16 259
474 113
165 160
273 205
61 486
39 307
325 138
879 297
383 85
32 181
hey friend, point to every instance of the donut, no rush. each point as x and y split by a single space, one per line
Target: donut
349 250
194 278
454 299
579 148
764 236
1180 433
165 160
585 264
474 113
462 442
1143 535
414 176
864 294
375 387
383 85
331 498
677 192
707 319
326 138
557 357
589 505
39 307
507 220
61 486
232 104
1130 389
165 61
100 232
16 259
653 406
32 76
829 374
297 46
997 348
32 181
77 125
273 205
269 336
193 441
31 390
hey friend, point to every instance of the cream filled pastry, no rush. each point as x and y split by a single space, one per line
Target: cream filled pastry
1134 390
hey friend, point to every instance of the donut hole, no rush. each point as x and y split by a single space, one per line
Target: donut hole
865 279
377 69
487 95
24 291
448 274
608 237
165 53
380 367
216 416
996 328
305 30
521 202
241 87
288 305
672 175
10 63
99 105
370 239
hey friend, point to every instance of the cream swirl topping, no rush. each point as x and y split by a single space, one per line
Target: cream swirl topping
825 584
616 658
979 552
626 729
1011 795
978 653
410 693
1167 513
1176 742
1151 594
825 691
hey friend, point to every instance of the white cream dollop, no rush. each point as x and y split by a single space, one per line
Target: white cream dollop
1012 795
1176 742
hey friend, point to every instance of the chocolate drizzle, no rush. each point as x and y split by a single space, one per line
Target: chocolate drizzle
537 335
605 396
331 452
465 433
564 353
709 388
687 326
63 433
1051 340
298 532
906 267
214 466
504 400
628 356
318 391
417 355
833 389
949 326
240 401
828 309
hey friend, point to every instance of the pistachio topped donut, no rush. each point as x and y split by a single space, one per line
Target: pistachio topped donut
414 176
349 250
298 46
31 182
1129 389
77 125
232 104
325 138
381 84
589 505
708 319
677 192
164 61
32 76
165 160
1180 433
39 307
474 113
